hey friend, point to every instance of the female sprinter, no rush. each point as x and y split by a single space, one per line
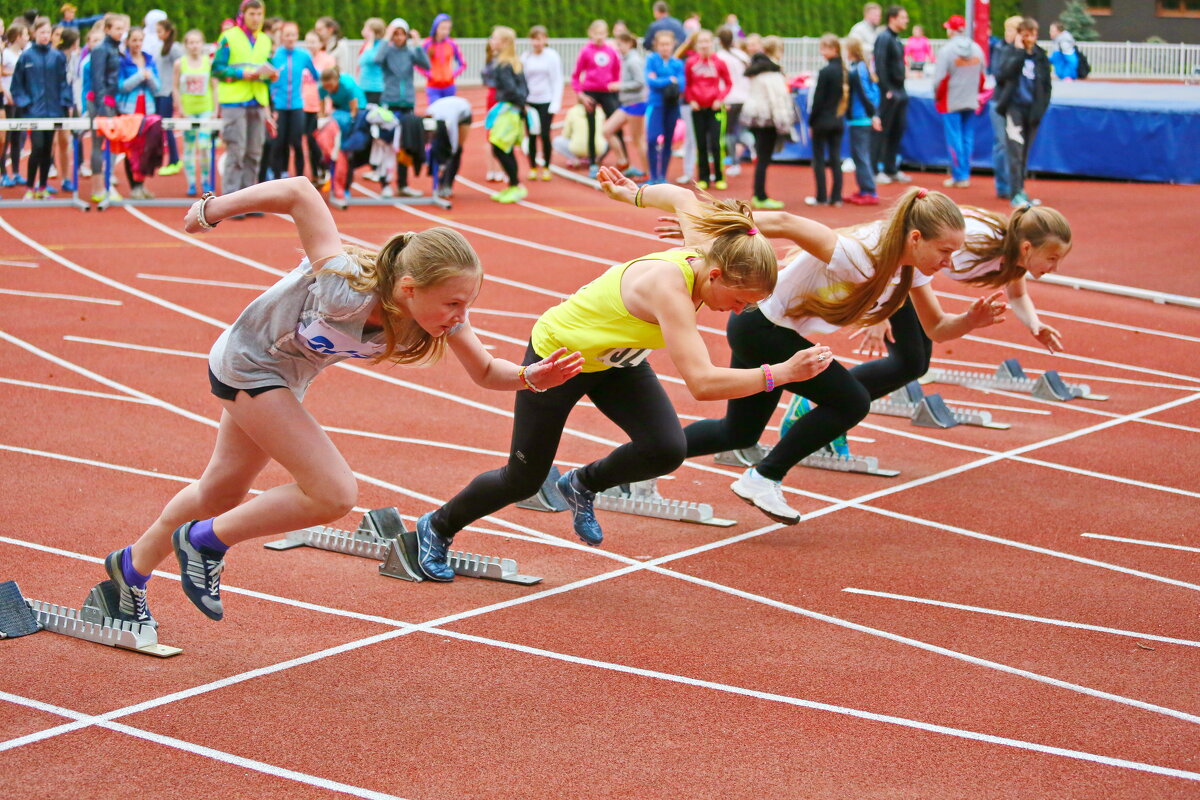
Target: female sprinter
839 278
405 304
998 253
616 321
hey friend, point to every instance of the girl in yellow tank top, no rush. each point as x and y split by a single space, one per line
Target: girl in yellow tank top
615 321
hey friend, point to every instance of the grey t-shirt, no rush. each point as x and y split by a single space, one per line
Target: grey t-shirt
295 329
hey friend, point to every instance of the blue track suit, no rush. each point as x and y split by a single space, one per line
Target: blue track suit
661 117
40 89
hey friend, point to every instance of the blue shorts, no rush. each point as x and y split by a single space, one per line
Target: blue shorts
635 110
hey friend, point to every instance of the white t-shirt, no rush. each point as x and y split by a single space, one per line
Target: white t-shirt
806 274
736 62
9 64
963 270
544 78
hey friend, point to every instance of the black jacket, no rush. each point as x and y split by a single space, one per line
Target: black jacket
1008 77
759 63
826 99
889 63
106 63
510 86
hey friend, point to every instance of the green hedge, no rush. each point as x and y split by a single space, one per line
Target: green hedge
564 18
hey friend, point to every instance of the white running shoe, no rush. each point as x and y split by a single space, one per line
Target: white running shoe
409 191
883 177
901 177
766 495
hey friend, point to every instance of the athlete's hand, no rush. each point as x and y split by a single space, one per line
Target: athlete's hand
874 339
191 220
803 365
1050 338
555 369
669 228
987 311
616 185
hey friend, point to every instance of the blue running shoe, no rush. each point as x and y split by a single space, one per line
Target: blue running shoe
191 190
200 572
68 185
132 606
433 557
208 186
580 500
593 171
7 182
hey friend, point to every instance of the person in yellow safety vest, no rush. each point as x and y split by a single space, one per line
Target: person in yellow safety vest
243 72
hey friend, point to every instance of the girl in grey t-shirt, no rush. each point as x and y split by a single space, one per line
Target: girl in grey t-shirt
406 303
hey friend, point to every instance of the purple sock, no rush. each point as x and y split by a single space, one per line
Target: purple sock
202 536
131 575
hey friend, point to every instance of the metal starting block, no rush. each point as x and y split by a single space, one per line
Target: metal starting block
382 536
822 459
1011 377
641 499
931 411
95 625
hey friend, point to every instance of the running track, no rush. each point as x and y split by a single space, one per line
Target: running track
946 633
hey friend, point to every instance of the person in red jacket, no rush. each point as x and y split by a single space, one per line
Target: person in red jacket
707 81
597 67
446 61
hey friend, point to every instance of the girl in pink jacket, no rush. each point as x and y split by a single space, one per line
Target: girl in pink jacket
598 66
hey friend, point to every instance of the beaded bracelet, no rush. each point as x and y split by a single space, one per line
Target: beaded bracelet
527 383
768 378
637 198
204 223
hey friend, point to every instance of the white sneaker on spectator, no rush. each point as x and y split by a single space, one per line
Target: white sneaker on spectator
900 177
684 180
766 495
883 178
388 192
409 191
733 169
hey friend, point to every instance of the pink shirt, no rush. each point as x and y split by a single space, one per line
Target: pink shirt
917 48
599 66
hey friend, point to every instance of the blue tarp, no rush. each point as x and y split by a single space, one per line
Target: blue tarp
1152 134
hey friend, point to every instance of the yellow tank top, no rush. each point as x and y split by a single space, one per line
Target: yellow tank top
595 322
195 87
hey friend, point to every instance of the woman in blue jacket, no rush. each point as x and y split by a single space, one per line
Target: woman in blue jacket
40 89
665 77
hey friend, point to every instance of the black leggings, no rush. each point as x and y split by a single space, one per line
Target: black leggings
907 360
16 143
509 162
316 161
764 148
545 118
632 397
707 125
290 137
827 152
841 402
40 158
609 102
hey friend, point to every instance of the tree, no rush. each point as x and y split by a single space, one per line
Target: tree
1076 19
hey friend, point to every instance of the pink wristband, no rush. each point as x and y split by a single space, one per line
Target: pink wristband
768 378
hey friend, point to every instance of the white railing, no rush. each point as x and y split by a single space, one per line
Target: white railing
1109 60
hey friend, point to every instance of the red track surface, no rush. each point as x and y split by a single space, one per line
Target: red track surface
734 666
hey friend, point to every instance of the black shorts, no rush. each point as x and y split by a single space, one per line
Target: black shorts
227 392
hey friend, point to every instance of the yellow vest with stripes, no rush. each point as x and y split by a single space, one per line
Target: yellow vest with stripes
243 54
595 322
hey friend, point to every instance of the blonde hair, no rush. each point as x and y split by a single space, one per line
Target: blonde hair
773 47
932 214
113 18
746 260
689 44
508 48
1013 22
831 41
1037 225
429 257
596 26
854 49
377 26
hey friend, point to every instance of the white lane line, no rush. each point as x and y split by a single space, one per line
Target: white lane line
462 226
1091 321
1084 359
197 241
501 313
1013 409
143 348
1025 617
554 212
258 287
53 296
145 473
834 709
1080 375
937 649
25 264
51 388
1083 409
1146 542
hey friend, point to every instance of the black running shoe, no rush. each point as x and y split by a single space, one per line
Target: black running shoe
199 572
131 606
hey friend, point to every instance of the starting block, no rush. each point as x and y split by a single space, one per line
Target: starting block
822 459
1009 376
931 411
94 623
641 499
382 536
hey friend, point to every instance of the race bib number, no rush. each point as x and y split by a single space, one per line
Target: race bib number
322 337
624 356
194 84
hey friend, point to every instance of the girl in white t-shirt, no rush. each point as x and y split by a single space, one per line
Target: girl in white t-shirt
837 279
405 304
998 253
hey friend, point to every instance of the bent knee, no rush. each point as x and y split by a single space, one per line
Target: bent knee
334 501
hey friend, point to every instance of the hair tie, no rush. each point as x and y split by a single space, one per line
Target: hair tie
1025 207
921 193
751 231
